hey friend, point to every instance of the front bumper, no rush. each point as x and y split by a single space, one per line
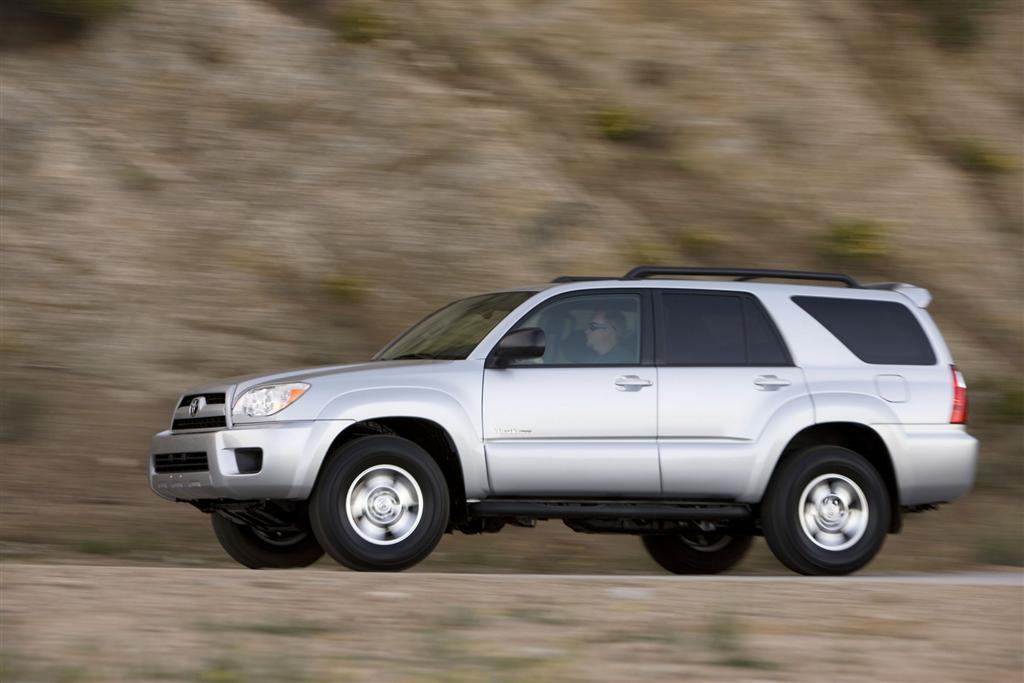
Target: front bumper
933 463
292 454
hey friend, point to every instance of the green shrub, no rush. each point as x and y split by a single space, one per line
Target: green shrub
953 24
975 157
1009 406
1001 548
28 22
854 243
137 178
222 670
19 413
727 639
617 124
648 253
81 10
115 545
358 25
344 289
699 243
1004 404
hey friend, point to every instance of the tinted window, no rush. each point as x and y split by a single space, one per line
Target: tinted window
764 347
879 332
718 329
594 329
703 329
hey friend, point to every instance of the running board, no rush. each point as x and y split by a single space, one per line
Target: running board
541 509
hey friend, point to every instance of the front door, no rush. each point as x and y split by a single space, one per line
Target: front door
581 420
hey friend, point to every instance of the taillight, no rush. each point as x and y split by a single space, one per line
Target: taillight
959 415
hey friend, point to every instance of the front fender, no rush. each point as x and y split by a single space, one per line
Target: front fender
423 403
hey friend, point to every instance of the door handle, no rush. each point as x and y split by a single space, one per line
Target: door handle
631 383
771 382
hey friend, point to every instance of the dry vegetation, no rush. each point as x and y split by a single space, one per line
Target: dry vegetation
196 189
74 624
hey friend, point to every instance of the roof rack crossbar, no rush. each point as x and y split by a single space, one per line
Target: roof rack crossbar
581 278
741 274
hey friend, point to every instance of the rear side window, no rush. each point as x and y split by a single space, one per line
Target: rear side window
764 347
717 329
877 332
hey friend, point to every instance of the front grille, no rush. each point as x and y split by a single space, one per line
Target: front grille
211 399
199 423
164 463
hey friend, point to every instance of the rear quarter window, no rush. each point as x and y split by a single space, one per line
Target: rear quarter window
877 332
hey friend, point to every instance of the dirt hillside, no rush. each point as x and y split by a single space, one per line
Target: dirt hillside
194 190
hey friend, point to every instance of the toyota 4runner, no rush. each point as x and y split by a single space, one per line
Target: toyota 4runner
693 413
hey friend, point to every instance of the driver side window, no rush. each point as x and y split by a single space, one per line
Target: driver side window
595 329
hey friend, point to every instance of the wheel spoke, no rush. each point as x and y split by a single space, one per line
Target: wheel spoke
819 492
829 539
855 523
810 516
369 529
356 502
376 480
844 492
405 493
403 525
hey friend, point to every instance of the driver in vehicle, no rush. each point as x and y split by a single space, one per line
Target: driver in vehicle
604 334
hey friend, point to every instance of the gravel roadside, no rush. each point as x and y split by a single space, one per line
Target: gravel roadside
87 623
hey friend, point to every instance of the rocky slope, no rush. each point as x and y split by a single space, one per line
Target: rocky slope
197 189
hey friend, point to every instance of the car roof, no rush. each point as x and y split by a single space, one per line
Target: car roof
746 280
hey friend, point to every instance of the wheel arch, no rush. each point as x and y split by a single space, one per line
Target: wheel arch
425 433
857 437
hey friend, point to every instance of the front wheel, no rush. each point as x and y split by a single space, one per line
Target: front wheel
257 550
827 511
381 504
697 551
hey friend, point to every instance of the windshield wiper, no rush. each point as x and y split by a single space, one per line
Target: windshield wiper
419 356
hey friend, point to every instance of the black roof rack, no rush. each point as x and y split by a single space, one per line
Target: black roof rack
580 278
741 274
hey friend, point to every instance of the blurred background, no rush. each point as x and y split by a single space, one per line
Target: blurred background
196 189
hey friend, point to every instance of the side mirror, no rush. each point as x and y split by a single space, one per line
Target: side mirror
526 343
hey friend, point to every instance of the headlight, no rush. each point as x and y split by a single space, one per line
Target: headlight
268 399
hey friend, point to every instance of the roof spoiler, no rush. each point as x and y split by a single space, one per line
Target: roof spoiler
920 296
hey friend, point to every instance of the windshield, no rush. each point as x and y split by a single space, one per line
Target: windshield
454 331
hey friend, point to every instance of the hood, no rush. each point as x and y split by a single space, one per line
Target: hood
384 368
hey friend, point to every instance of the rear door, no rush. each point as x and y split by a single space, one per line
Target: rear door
582 420
723 372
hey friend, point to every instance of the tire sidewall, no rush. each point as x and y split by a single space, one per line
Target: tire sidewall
784 532
674 554
328 504
249 549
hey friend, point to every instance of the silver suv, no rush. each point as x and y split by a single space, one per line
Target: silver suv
693 413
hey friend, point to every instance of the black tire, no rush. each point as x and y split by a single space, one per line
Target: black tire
784 522
697 552
253 550
361 466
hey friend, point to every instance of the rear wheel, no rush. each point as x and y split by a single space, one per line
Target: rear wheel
381 504
258 550
827 511
697 551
